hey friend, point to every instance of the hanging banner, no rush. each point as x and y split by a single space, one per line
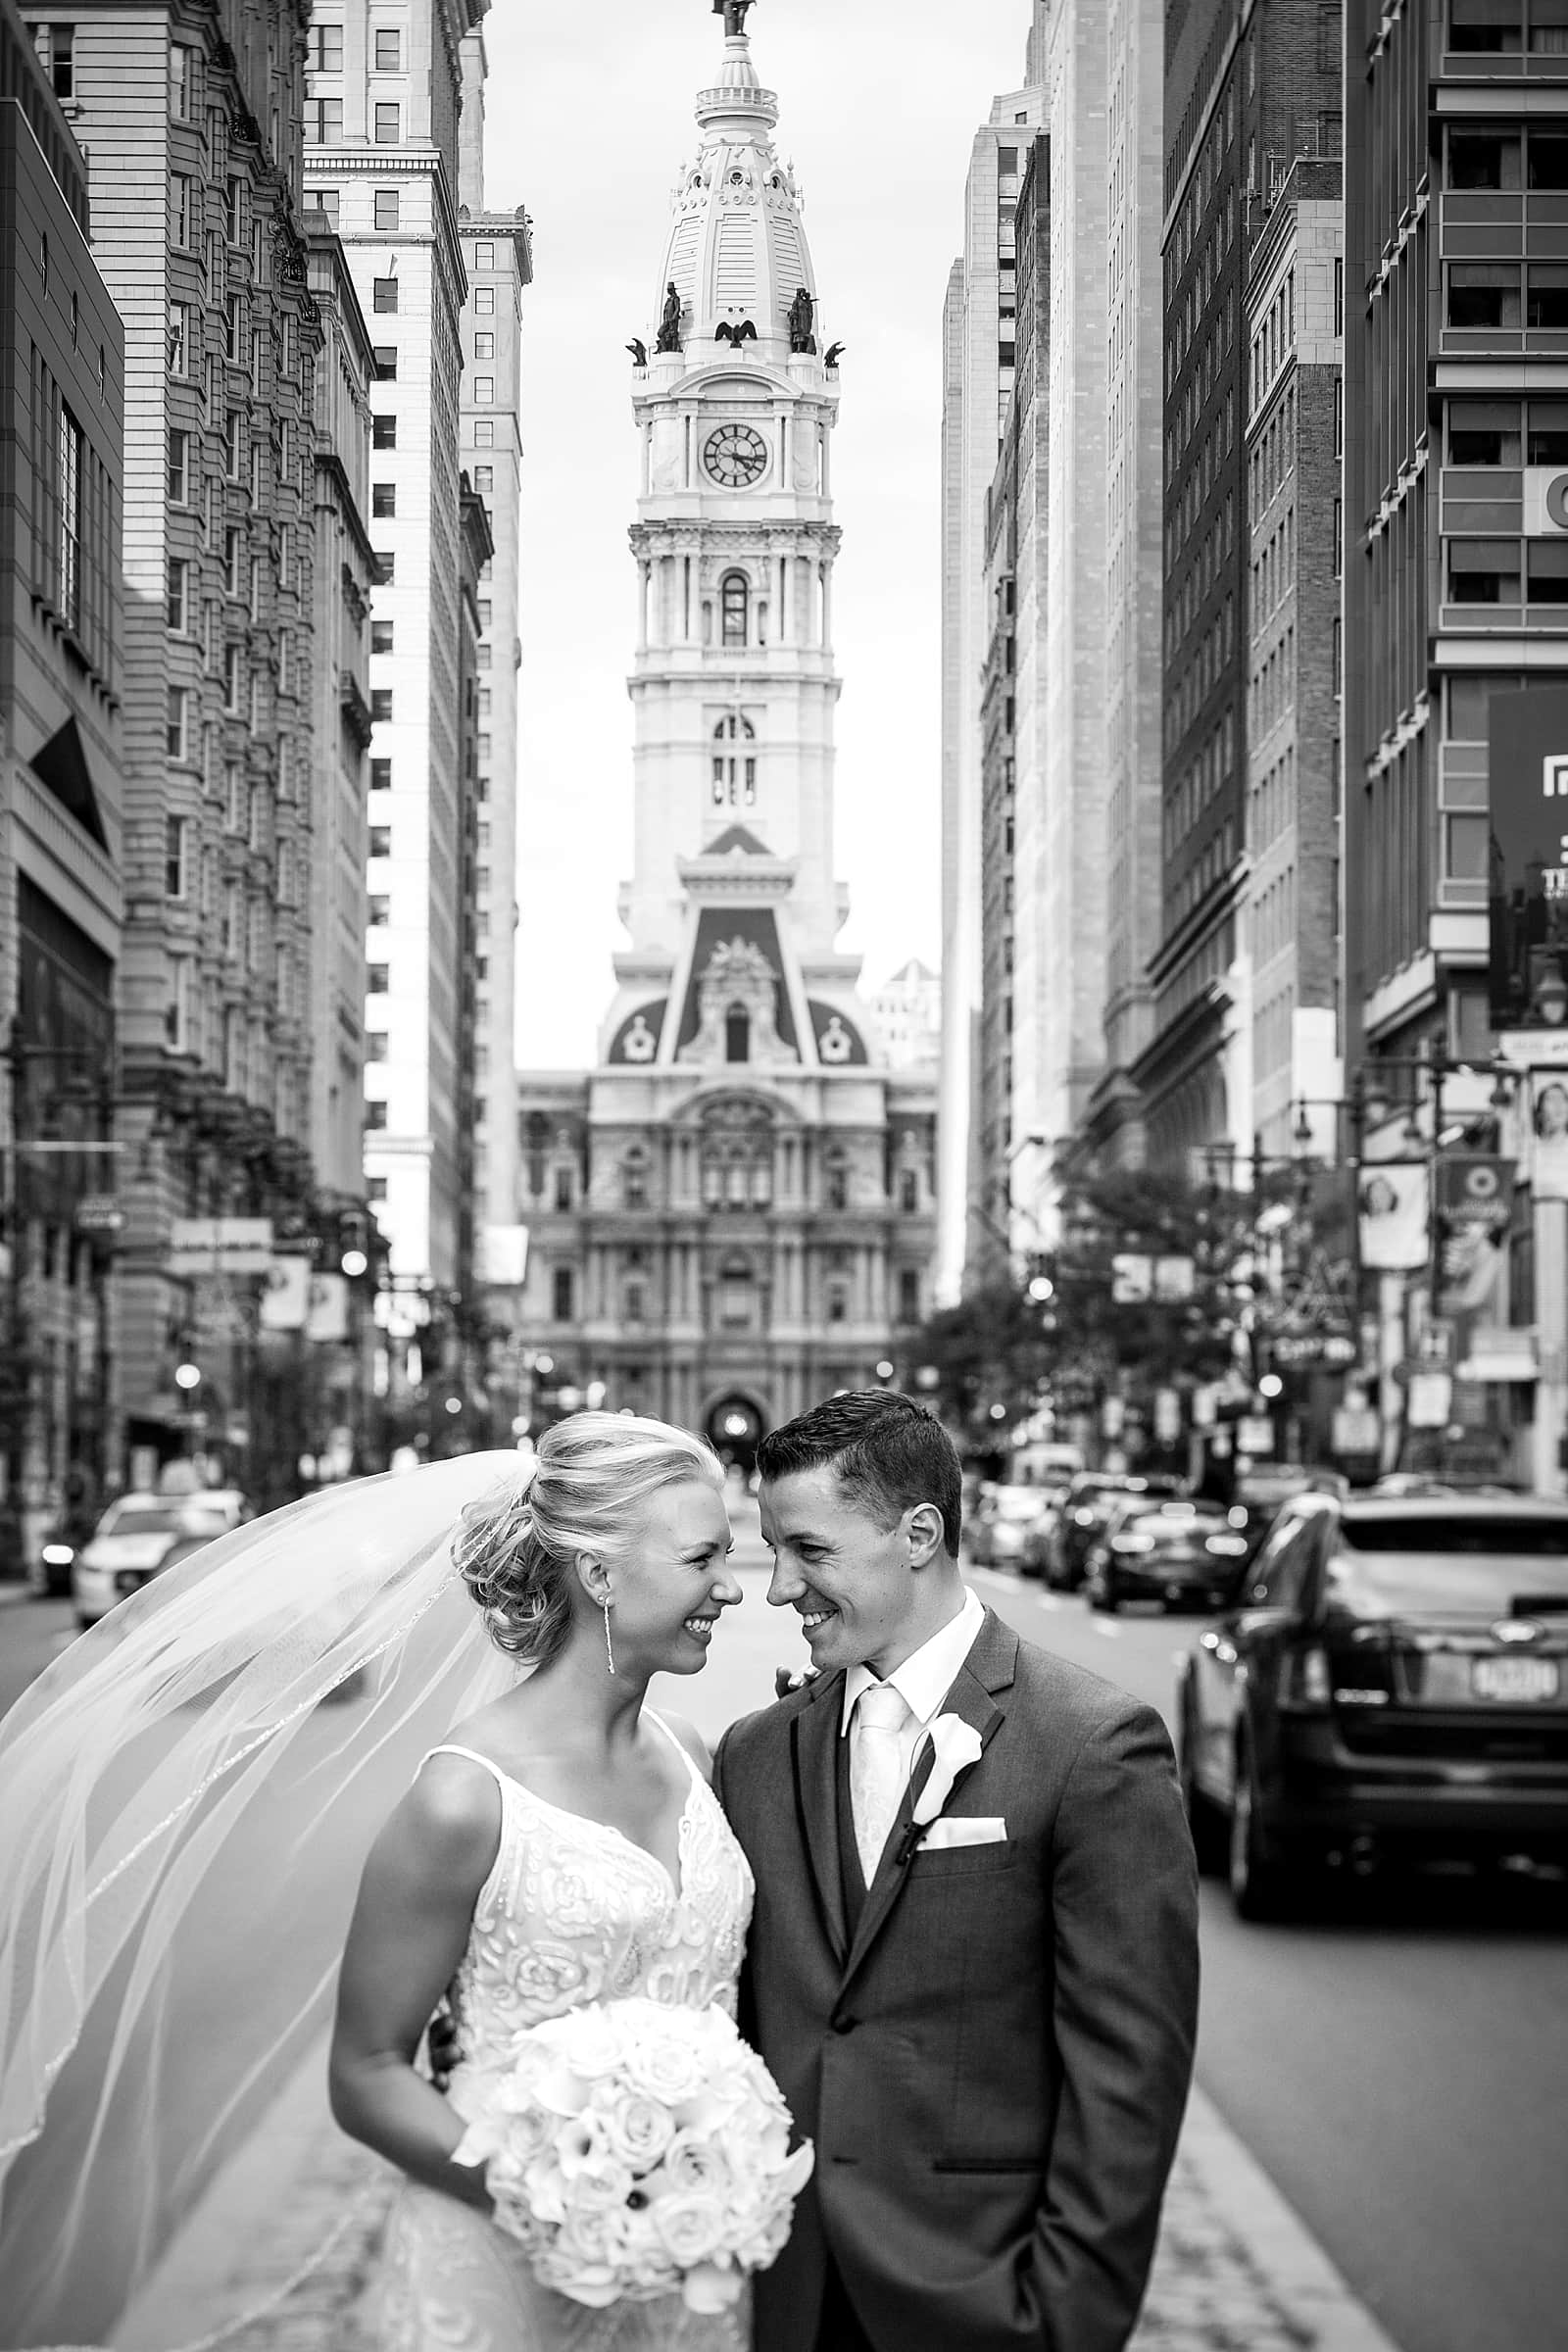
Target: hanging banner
1392 1205
1545 1135
1474 1205
1528 791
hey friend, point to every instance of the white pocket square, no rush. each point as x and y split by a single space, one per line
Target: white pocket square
959 1829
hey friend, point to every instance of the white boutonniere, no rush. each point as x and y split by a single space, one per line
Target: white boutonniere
956 1746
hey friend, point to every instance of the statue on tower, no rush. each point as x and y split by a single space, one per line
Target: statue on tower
734 13
669 320
803 315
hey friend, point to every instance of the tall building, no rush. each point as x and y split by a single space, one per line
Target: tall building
1251 85
381 133
221 342
1456 421
978 337
61 681
1135 343
1061 395
732 1214
907 1011
345 574
498 260
1289 918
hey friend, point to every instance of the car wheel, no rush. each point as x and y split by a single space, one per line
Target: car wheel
1204 1819
1252 1866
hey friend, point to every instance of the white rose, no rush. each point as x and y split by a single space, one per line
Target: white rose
693 2164
691 2226
590 2040
666 2066
638 2130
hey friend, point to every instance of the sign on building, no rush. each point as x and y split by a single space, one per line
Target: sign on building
1528 767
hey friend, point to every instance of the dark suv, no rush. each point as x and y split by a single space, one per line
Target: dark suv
1394 1678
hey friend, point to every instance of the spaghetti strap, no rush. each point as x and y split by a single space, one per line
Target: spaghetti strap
448 1747
680 1747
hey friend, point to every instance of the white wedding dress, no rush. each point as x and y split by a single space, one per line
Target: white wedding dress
571 1912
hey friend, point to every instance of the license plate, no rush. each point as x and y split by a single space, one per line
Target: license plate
1512 1681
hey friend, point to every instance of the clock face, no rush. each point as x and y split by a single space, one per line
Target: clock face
735 456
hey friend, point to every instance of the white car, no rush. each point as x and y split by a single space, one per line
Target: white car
141 1533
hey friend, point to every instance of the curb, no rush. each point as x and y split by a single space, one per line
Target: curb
1257 2236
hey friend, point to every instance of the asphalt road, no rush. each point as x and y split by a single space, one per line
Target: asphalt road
1397 2067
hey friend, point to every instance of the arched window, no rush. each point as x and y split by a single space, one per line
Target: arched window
734 767
737 1034
734 607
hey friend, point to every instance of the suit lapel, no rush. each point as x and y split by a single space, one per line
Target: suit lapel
814 1736
987 1671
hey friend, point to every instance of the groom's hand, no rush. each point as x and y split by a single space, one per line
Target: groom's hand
444 2044
792 1677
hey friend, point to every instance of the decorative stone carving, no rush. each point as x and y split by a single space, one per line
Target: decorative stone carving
739 981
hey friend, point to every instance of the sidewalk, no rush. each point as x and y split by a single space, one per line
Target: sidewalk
1235 2270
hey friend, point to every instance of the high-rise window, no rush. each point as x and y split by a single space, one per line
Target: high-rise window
383 432
383 500
484 302
177 610
179 338
177 838
381 705
381 636
323 122
55 45
484 256
388 50
734 605
386 207
484 433
384 293
484 479
484 390
71 495
385 355
175 724
388 122
181 207
324 50
484 347
326 200
181 81
178 469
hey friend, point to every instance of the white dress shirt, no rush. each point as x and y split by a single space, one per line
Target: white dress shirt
924 1679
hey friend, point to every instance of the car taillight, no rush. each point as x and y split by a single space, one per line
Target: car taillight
1304 1678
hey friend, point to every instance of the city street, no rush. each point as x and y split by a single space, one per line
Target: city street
1391 2067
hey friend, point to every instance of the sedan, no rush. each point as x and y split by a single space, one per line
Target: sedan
1392 1684
1175 1554
140 1536
1091 1502
1003 1524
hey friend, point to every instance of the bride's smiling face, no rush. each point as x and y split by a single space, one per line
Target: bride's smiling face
674 1581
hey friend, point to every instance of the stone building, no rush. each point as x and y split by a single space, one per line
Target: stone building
1289 917
733 1213
203 107
62 684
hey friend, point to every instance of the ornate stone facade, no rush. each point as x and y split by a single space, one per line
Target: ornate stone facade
733 1213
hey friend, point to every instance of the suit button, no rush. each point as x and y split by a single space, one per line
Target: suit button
844 2025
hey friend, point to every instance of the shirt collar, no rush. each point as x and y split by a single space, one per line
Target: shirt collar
929 1673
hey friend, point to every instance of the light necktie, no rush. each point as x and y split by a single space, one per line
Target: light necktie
876 1771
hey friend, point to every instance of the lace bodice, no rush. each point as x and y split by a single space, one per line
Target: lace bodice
572 1911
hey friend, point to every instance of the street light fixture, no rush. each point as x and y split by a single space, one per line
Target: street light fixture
187 1377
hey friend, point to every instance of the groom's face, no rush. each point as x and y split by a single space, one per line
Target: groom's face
850 1581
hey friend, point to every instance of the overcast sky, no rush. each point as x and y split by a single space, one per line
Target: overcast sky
589 116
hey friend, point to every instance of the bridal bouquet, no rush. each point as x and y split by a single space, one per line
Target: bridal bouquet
637 2150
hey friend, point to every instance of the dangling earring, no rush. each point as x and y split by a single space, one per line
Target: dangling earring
609 1655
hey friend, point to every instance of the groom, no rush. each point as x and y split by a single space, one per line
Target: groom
986 2022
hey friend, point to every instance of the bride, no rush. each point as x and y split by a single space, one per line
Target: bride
190 1794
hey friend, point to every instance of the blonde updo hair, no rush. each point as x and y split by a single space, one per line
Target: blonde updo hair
516 1548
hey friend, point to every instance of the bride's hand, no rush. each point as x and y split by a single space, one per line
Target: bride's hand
444 2043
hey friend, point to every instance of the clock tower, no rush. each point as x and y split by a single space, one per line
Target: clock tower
731 1214
734 542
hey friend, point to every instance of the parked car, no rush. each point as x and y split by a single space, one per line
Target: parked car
1393 1682
140 1536
1092 1501
1005 1516
49 1572
1167 1549
1262 1491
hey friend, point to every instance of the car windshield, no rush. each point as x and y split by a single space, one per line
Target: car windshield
1397 1564
140 1519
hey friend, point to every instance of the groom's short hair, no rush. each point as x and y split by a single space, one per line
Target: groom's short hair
888 1453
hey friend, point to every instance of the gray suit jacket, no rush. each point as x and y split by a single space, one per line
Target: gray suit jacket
993 2068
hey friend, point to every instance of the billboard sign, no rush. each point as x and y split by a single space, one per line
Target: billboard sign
1528 864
